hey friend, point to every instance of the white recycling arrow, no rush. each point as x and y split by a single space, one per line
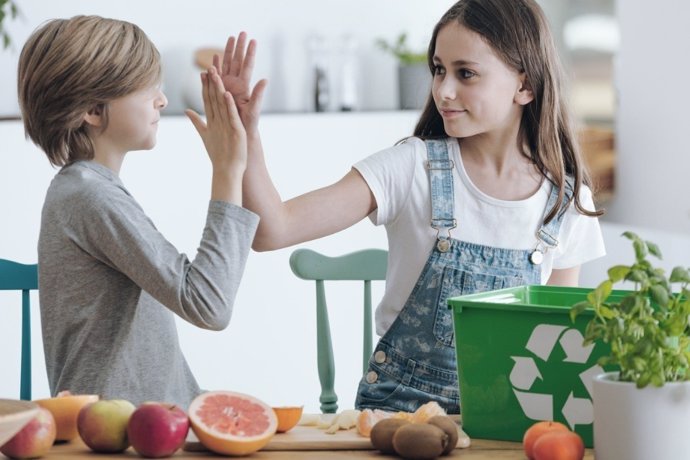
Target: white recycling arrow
524 373
588 375
543 338
536 406
571 341
578 411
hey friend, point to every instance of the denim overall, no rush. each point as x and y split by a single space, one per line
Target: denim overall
414 362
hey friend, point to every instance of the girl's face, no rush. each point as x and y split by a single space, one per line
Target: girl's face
133 120
474 90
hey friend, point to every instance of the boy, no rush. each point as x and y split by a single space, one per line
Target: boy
109 282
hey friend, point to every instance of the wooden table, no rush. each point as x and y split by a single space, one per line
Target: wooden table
479 450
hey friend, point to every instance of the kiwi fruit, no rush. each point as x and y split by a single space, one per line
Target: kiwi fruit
448 425
382 434
419 441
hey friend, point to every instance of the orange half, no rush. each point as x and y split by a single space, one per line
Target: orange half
288 417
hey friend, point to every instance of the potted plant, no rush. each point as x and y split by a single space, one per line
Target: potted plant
643 410
414 77
8 9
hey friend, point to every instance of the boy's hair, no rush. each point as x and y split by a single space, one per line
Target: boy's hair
69 67
518 32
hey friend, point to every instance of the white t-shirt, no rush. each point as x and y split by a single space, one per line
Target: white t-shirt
399 181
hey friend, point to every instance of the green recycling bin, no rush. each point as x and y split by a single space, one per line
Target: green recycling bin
521 360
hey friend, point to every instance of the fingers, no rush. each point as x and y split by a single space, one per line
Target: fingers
238 56
216 91
204 92
248 65
216 63
227 56
197 121
232 112
258 93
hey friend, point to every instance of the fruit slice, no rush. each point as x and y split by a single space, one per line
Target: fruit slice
368 418
65 408
426 411
232 423
288 416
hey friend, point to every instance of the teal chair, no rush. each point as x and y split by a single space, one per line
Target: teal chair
366 265
19 277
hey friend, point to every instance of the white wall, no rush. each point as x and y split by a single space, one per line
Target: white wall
269 349
281 27
652 118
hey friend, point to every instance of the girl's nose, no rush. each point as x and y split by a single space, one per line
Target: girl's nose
447 89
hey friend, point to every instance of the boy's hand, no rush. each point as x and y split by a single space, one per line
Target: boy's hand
236 73
223 134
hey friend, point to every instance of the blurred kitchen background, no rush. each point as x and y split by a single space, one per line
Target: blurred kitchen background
338 37
334 98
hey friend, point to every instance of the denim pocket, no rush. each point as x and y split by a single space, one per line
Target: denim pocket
457 282
382 394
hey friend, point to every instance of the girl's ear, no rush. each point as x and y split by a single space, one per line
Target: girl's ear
524 94
94 117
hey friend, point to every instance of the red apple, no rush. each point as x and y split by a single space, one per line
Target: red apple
102 425
35 439
157 429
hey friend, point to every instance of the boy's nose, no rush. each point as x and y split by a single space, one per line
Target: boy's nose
161 101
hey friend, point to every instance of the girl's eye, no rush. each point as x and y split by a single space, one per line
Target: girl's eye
438 70
466 74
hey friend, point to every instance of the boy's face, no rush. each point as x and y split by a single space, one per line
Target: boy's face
133 120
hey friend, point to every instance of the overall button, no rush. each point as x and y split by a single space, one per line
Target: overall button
372 377
380 357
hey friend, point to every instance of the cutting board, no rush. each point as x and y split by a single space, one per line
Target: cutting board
303 438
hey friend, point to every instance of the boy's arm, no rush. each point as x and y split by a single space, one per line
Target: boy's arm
306 217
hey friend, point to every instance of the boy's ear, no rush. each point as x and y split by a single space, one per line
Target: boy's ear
524 94
94 116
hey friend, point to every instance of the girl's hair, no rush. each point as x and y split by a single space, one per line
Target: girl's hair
519 33
71 66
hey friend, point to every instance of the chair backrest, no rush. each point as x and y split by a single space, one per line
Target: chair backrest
19 277
366 265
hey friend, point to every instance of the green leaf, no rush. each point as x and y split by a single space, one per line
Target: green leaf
659 294
576 309
618 273
654 249
600 294
637 276
679 275
640 249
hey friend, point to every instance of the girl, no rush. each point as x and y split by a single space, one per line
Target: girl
109 283
490 192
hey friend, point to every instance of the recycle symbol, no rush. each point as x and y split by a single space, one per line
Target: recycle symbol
538 406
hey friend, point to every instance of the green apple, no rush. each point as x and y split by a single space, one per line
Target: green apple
102 425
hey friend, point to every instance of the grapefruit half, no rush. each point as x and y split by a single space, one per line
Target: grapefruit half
232 423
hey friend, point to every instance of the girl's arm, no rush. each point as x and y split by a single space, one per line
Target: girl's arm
309 216
565 277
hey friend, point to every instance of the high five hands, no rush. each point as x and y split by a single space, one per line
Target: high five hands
236 72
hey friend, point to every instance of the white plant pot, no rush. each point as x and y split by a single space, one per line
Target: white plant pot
651 423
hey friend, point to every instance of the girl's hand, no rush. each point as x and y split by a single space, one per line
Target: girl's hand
236 73
223 134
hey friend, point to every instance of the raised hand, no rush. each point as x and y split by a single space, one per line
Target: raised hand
236 73
223 135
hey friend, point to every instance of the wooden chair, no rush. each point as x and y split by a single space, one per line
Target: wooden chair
366 265
19 277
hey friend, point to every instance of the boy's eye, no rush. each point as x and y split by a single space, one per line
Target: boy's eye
438 70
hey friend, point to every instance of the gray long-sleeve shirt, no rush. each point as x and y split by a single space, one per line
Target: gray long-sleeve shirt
110 284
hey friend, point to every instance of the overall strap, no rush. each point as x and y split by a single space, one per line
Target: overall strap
547 235
440 168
